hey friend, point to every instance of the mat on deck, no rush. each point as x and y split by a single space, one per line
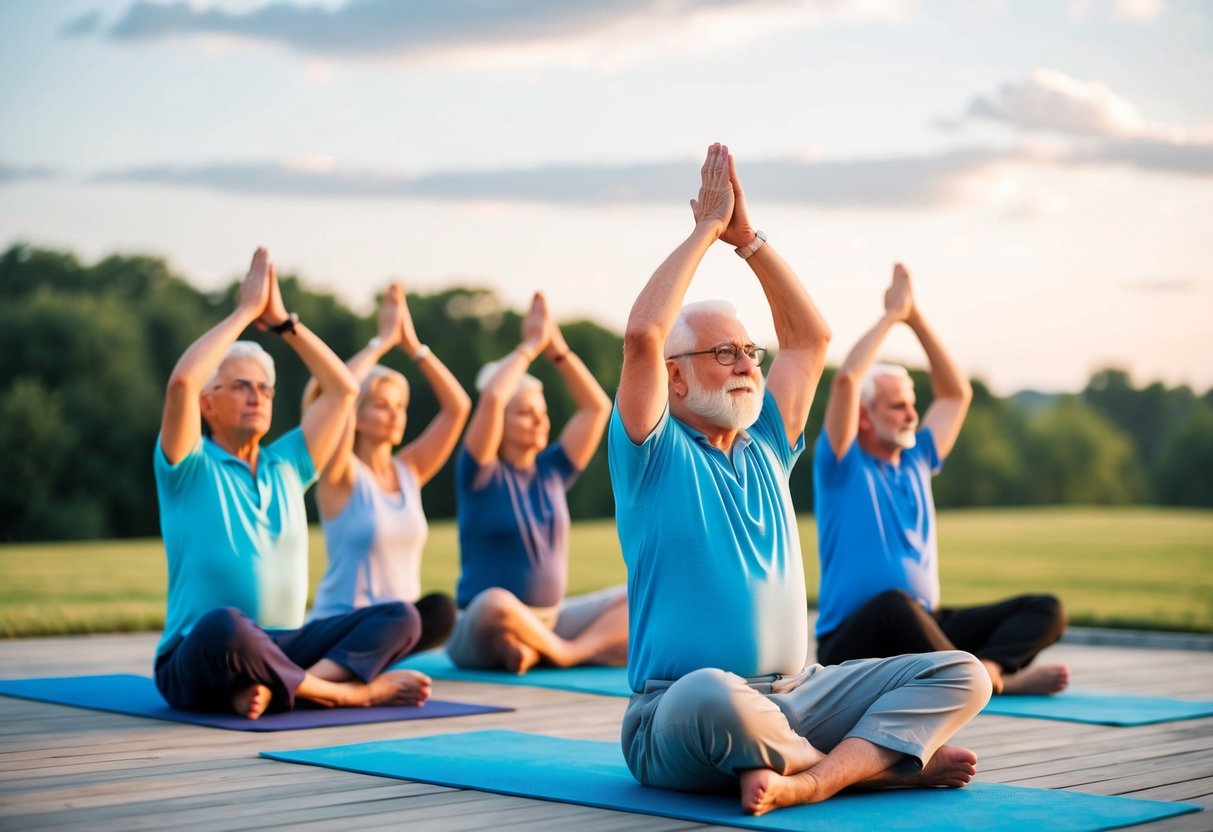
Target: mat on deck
137 696
609 681
1099 708
591 773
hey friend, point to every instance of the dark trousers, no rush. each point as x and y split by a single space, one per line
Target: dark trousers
226 651
1011 633
438 615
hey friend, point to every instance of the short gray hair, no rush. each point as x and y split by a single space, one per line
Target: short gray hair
867 390
682 335
525 382
245 349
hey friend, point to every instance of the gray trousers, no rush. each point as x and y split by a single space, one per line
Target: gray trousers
699 732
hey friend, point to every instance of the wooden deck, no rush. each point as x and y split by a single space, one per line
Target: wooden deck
66 768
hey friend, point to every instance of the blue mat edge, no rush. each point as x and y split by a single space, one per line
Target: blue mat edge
292 756
542 677
205 720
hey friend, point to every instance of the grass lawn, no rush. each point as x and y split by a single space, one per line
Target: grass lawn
1128 567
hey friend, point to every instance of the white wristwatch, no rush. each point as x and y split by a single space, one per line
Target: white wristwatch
421 352
745 251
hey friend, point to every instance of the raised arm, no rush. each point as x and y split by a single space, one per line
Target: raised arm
181 422
643 391
325 421
583 432
800 329
426 454
842 413
337 478
484 433
951 388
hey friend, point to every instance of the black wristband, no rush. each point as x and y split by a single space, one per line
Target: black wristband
288 325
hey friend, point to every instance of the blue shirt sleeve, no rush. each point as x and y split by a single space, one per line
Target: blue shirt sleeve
629 461
170 476
770 428
291 447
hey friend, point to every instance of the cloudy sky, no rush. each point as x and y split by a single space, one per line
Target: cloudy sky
1045 169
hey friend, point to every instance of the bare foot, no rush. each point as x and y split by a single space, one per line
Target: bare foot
763 789
952 766
615 655
1045 679
251 702
398 687
518 657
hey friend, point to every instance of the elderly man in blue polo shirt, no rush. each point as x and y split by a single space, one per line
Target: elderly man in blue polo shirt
235 532
718 625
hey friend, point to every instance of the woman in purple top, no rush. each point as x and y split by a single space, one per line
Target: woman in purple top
369 494
514 517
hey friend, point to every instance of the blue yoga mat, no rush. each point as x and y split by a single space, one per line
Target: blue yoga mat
137 696
592 773
1099 708
609 681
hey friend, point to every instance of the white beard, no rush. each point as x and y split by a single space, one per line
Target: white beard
906 438
721 409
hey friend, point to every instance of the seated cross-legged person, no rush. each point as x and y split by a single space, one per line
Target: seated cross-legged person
514 517
701 449
235 533
876 530
369 498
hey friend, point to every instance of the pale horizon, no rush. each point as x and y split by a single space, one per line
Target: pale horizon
1046 173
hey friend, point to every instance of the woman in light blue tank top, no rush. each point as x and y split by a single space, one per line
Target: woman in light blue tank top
370 498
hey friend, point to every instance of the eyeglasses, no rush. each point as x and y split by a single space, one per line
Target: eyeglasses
728 354
242 387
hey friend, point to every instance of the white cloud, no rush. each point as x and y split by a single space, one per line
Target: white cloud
493 34
1137 10
1101 126
1051 100
895 183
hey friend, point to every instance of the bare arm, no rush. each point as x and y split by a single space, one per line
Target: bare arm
643 392
485 431
337 479
583 432
842 413
801 330
952 390
324 423
181 422
426 454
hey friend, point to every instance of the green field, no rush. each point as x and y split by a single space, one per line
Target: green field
1124 567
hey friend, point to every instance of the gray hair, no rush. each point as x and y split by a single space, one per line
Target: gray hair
377 374
245 349
682 336
525 382
867 390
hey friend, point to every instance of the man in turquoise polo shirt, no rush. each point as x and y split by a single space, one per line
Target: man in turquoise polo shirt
235 532
700 456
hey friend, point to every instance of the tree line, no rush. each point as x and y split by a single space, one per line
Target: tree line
86 352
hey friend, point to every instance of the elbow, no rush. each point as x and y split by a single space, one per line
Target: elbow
461 405
181 387
845 381
643 340
966 392
348 386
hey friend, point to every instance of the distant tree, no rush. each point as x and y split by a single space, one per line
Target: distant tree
1184 472
1074 455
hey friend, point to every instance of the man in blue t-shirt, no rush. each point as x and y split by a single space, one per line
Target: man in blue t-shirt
700 458
872 472
235 532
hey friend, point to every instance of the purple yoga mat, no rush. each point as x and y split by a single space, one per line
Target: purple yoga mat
137 696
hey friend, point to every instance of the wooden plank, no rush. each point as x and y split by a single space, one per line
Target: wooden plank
67 768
